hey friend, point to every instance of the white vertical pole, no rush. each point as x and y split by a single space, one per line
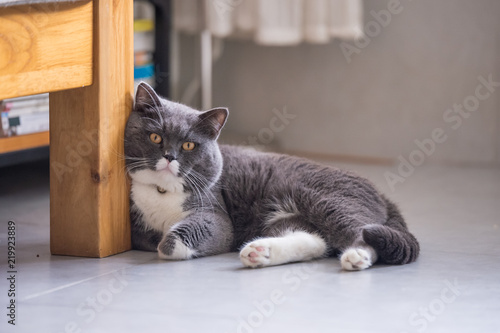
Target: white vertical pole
175 66
206 70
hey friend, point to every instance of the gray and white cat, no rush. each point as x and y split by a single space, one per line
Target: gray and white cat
191 197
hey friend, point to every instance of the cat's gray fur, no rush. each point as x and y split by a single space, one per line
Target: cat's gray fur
233 193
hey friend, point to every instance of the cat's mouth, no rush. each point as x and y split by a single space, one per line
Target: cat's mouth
165 166
165 169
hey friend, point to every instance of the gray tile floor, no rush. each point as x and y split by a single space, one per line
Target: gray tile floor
453 287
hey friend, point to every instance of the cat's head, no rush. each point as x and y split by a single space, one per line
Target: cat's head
171 145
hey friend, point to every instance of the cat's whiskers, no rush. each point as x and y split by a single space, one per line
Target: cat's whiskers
120 157
205 187
206 191
207 195
205 181
199 185
138 163
195 187
199 188
125 157
215 185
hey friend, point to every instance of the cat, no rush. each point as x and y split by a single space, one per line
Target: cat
191 197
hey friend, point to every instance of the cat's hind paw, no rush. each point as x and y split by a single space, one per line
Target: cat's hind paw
256 254
355 259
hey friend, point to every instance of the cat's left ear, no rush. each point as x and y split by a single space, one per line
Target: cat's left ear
146 98
212 121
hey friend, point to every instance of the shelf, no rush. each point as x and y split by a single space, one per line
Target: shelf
21 142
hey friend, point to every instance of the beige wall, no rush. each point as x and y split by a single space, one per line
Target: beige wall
394 91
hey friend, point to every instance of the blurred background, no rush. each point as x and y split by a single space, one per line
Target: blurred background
352 80
365 98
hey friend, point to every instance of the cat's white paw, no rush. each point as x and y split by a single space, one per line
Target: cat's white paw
256 254
175 251
355 259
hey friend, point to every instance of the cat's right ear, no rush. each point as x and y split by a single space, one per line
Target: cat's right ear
212 121
146 98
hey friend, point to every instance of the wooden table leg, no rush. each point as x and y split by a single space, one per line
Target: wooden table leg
89 212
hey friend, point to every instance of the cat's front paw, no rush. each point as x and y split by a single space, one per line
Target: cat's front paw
172 248
355 259
256 254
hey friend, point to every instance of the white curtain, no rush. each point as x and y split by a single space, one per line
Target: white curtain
272 22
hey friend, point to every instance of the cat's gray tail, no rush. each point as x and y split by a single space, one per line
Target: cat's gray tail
392 241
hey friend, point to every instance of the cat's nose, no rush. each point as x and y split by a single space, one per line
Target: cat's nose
169 157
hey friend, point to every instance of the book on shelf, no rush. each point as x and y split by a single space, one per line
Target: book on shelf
144 43
24 115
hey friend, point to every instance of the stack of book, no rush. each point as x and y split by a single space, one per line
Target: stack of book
24 115
144 42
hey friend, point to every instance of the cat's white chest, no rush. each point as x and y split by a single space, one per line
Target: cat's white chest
160 210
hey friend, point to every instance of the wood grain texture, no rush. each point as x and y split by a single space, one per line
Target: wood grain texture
24 142
89 209
45 47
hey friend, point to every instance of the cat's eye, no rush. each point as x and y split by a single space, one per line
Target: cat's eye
155 138
188 145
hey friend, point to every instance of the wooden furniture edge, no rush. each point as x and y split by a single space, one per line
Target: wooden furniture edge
89 204
45 47
22 142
